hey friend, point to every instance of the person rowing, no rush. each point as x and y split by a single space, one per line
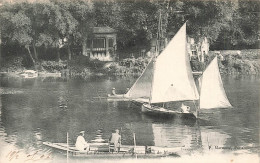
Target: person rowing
113 92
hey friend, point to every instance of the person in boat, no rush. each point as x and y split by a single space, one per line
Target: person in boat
113 92
185 109
116 140
81 144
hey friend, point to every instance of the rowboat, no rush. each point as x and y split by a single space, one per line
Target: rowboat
103 150
117 97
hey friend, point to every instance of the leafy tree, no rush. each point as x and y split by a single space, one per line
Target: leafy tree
16 26
82 12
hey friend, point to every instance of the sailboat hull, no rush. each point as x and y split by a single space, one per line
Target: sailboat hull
160 111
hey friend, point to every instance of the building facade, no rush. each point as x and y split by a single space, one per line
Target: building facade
198 49
102 44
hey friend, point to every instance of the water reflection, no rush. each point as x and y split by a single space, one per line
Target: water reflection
174 135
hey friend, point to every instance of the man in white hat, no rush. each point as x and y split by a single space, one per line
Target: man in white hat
81 144
116 140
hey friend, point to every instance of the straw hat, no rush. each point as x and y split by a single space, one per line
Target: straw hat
113 88
82 132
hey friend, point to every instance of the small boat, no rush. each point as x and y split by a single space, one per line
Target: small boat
116 97
29 74
168 78
156 110
102 149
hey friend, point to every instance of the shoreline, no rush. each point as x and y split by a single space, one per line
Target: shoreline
244 62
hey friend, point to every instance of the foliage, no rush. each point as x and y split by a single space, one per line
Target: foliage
129 66
52 66
12 64
63 23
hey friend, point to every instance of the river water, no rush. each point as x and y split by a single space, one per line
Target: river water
30 114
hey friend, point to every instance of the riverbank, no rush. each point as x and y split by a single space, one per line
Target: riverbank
233 62
244 62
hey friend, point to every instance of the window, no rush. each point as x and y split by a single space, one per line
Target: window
110 42
194 53
99 43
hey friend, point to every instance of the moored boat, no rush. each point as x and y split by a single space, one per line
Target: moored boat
29 74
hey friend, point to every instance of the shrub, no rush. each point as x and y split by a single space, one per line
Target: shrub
53 66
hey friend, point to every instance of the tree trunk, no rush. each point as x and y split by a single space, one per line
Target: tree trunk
29 52
58 54
35 52
45 50
69 52
84 47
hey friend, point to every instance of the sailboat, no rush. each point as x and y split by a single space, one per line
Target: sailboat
168 79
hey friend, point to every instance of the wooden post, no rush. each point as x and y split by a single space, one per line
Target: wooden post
67 147
135 146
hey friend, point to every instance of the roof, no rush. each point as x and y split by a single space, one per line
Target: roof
30 71
103 30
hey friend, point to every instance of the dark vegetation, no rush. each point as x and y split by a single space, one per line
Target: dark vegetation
51 36
245 63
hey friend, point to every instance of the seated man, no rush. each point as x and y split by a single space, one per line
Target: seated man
81 144
116 140
113 91
185 109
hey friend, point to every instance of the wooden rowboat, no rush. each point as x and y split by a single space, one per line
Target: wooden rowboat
102 149
117 97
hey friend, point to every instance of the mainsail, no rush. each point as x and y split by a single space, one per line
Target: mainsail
170 77
212 93
173 80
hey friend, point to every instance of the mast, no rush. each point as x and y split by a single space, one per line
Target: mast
157 51
158 35
151 90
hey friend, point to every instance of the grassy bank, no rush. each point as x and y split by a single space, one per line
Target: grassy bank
230 62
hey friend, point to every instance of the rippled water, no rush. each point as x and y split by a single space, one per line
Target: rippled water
30 115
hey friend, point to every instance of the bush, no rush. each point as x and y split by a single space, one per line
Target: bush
13 64
53 66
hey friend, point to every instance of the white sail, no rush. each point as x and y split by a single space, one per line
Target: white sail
142 86
173 80
212 93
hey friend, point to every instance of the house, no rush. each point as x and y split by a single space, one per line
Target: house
102 44
198 49
195 49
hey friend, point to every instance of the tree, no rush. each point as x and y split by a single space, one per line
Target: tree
16 27
82 12
59 26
